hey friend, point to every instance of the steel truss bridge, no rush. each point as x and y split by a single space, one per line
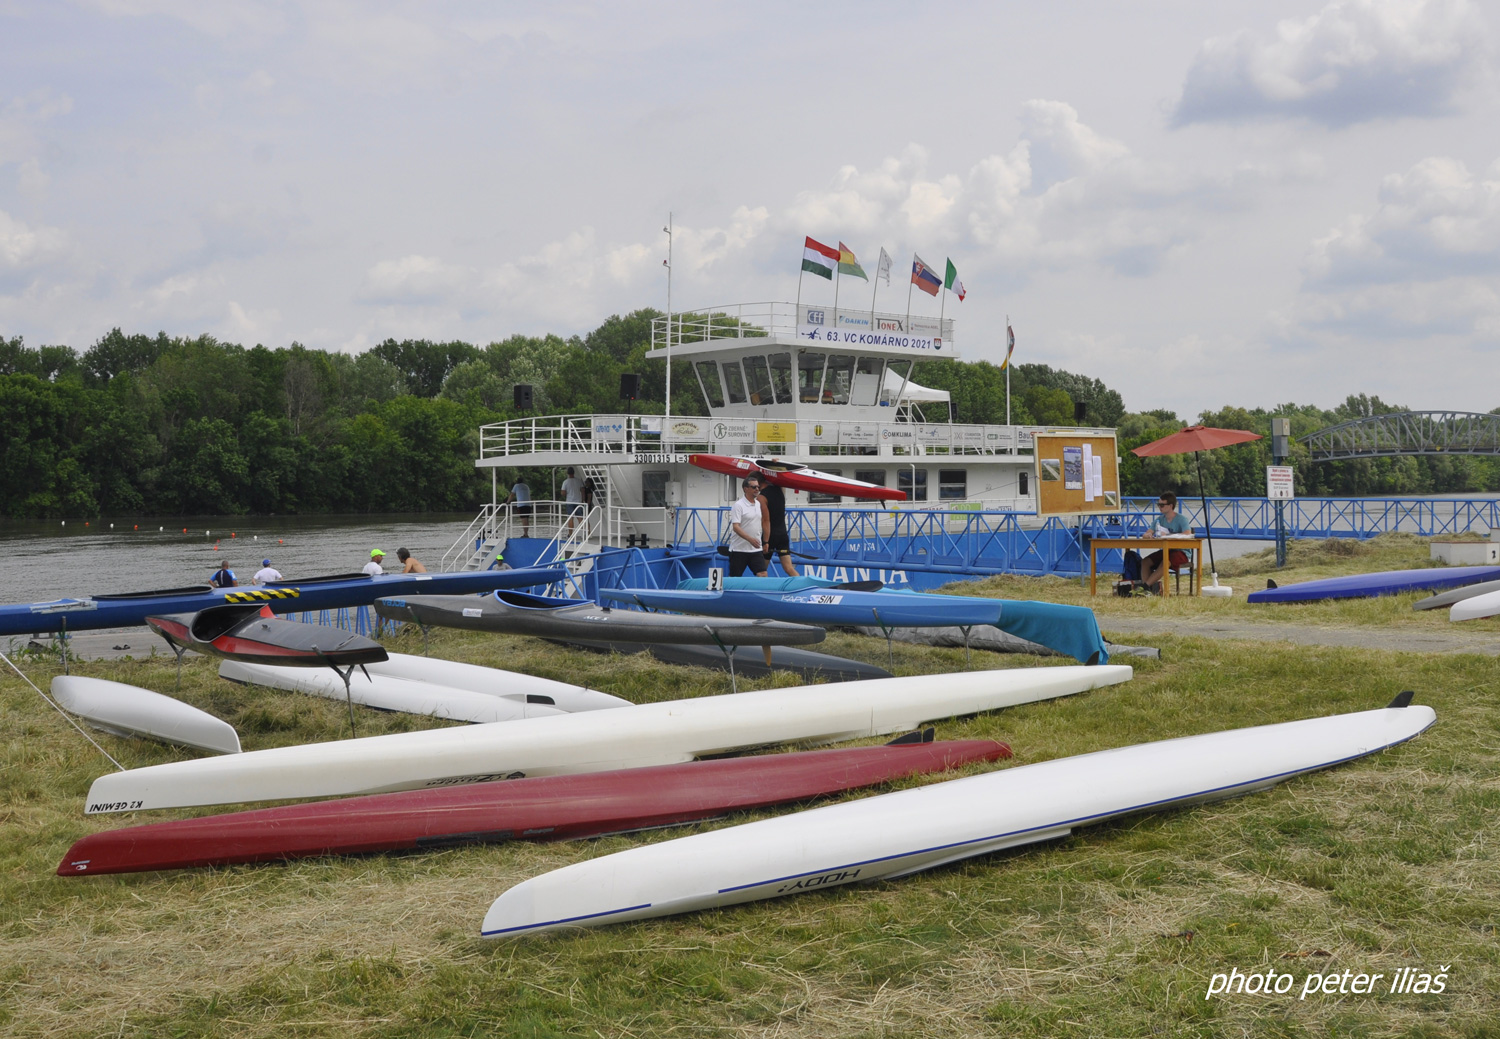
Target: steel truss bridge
1408 433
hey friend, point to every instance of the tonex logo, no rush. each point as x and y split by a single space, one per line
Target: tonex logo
815 317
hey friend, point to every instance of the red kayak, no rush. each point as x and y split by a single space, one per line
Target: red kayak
794 475
540 808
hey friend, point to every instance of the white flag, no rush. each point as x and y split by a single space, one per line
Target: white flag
883 270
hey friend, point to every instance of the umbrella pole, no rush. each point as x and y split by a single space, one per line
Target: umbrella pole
1208 530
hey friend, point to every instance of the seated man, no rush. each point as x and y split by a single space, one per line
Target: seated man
1153 568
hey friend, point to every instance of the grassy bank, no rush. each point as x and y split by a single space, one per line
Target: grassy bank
1116 930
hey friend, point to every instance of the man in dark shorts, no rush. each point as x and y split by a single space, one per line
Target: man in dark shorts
778 541
520 503
746 547
1169 522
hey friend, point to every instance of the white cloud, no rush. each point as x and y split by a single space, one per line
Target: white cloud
24 248
415 280
1353 61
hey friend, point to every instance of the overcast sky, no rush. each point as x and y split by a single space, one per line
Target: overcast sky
1199 203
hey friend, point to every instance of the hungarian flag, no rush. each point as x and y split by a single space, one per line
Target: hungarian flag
950 281
819 259
848 264
1010 347
922 276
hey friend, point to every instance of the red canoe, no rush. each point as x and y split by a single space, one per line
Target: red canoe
540 808
794 475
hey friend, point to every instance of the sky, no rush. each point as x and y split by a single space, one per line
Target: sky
1200 204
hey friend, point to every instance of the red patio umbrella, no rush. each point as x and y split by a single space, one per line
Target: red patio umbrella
1195 439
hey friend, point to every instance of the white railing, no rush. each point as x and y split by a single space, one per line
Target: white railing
759 320
637 438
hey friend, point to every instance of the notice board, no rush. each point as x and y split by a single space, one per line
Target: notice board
1076 473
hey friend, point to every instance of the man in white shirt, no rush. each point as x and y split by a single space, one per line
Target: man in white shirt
373 567
573 495
267 573
746 549
520 504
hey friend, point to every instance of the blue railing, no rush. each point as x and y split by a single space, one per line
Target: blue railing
1255 518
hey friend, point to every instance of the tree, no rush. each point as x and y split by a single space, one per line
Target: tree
424 364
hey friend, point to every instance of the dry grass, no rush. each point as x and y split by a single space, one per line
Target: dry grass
1116 930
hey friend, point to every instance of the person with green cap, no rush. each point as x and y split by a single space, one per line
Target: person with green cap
373 567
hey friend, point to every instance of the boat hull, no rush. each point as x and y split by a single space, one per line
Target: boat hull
242 633
131 711
1386 582
648 734
552 618
495 682
1480 606
892 835
795 476
543 809
810 666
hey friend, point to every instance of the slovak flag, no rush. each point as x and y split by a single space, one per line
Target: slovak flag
923 278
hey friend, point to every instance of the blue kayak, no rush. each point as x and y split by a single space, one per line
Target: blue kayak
1071 630
1385 582
314 593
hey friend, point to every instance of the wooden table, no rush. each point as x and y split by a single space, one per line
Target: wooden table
1144 546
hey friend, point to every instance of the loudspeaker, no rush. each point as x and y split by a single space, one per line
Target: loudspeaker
952 411
630 385
1080 409
523 397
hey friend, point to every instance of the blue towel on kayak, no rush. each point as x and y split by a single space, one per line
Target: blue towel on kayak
1072 630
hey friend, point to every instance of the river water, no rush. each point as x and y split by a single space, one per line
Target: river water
44 560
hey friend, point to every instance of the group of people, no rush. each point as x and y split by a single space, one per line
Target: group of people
224 577
757 530
578 493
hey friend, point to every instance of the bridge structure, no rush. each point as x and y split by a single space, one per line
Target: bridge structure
1408 433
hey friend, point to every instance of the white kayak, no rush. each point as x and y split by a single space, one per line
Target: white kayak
495 682
128 710
648 734
385 693
1486 605
892 835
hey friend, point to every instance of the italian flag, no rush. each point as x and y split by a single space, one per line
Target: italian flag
819 259
952 283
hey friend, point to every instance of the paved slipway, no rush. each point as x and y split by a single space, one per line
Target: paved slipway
1485 641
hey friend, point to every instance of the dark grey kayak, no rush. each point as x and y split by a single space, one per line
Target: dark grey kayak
810 666
518 613
1453 595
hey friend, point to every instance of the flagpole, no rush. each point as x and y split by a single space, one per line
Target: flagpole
1007 373
909 283
667 411
874 288
942 309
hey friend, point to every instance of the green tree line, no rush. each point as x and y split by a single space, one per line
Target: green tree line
156 425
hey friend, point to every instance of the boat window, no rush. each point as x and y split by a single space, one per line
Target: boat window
953 484
875 476
820 498
895 382
654 488
904 482
734 382
781 377
708 380
840 376
810 376
758 380
866 388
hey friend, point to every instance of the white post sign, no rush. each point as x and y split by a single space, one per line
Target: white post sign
1279 483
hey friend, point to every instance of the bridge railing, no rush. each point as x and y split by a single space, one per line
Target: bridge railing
1255 518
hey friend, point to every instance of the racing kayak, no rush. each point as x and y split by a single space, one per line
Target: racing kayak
809 666
314 593
892 835
385 693
794 475
550 617
1071 630
245 633
1486 605
548 808
495 682
128 710
1454 595
1384 582
596 741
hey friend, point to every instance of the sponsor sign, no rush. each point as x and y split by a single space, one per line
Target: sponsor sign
822 433
609 430
732 431
1279 485
859 434
776 432
694 429
932 434
901 435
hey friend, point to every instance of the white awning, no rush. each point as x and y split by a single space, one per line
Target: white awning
913 393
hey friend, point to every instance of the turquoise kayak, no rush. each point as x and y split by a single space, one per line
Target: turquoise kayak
1071 630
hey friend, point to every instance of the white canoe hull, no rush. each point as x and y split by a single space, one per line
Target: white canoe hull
1486 605
385 693
649 734
128 710
495 682
894 834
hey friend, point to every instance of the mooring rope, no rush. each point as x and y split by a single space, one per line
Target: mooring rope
59 710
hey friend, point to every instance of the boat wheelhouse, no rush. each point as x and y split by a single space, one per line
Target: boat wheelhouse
831 389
